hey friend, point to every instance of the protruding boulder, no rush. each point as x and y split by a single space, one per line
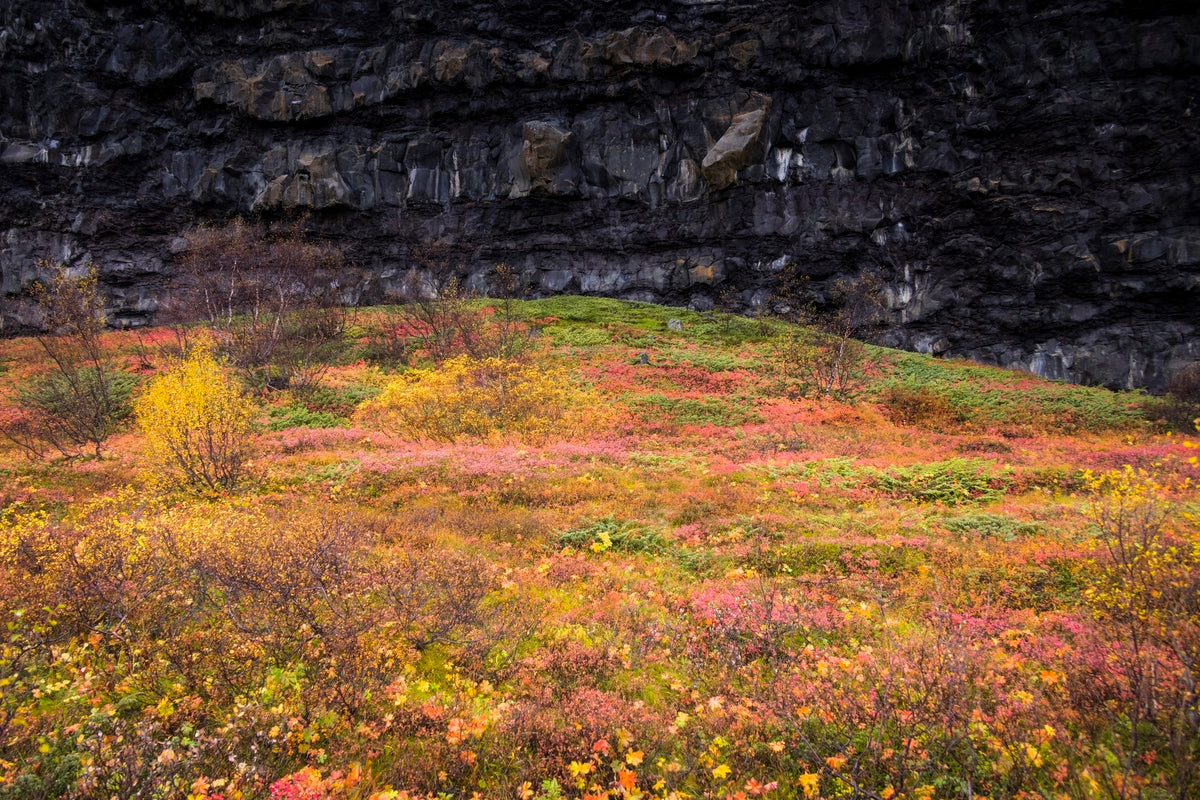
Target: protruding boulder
636 47
544 151
742 144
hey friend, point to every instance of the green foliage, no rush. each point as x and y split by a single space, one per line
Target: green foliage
658 408
609 533
339 402
297 416
585 321
55 774
712 360
925 392
73 407
952 482
991 526
836 558
550 790
582 336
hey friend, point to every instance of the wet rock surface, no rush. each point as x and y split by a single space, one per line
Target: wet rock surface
1025 176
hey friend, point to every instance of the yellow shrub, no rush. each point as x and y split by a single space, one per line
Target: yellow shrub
477 397
197 425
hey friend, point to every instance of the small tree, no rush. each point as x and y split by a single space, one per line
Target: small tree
270 296
830 360
84 398
1181 407
197 424
440 306
509 336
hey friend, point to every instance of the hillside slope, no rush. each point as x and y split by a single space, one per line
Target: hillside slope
648 563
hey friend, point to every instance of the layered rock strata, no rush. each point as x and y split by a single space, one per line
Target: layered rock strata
1023 175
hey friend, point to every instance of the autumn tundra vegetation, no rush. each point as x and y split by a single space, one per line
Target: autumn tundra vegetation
574 548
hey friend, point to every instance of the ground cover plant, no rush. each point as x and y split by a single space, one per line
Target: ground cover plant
627 554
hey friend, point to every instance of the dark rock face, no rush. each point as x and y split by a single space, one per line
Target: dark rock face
1026 175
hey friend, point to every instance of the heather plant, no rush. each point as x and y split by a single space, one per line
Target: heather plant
198 426
918 406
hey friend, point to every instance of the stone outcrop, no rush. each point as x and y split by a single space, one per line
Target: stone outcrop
1025 177
739 147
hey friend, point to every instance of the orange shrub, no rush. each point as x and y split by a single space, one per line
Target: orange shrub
917 407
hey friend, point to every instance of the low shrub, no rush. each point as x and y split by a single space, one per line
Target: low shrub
657 409
197 425
1180 409
1184 383
477 398
952 482
70 409
608 533
993 526
301 417
84 397
918 407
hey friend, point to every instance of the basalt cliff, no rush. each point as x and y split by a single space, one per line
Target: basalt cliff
1023 176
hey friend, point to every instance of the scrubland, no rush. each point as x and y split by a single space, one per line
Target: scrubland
594 555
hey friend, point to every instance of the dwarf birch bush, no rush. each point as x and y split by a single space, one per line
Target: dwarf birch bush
1148 591
197 425
477 397
84 397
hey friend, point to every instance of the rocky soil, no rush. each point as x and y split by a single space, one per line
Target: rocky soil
1024 176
